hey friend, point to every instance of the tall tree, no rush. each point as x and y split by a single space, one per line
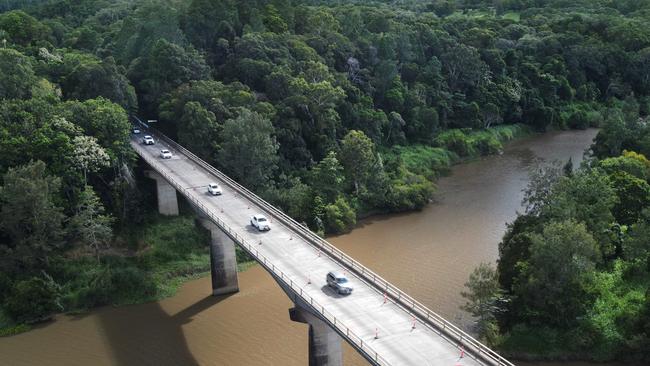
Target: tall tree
358 157
483 297
553 287
249 150
89 156
327 178
90 224
17 76
30 216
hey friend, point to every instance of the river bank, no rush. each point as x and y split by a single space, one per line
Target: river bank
148 264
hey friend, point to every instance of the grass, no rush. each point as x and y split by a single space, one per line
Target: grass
469 143
13 330
453 146
431 162
9 328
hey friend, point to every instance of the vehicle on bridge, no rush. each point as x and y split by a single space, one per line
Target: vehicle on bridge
165 154
148 140
339 283
214 189
260 222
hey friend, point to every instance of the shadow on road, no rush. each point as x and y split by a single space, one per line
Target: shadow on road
331 293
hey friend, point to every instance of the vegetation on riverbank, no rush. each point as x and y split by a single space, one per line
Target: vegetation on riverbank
453 146
573 276
163 254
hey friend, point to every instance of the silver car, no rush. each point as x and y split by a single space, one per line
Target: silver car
339 283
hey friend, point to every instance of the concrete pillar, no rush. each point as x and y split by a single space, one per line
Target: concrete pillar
223 261
167 200
324 342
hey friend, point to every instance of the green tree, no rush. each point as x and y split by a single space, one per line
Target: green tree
30 216
587 197
249 150
339 216
633 197
553 286
483 297
206 21
273 21
34 299
326 178
199 130
90 224
17 76
166 67
105 121
630 162
22 28
357 157
90 79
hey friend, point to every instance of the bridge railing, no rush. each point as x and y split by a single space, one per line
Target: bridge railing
426 316
270 267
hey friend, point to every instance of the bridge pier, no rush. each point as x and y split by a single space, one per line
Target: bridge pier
324 342
167 200
223 261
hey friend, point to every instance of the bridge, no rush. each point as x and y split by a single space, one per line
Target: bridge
384 324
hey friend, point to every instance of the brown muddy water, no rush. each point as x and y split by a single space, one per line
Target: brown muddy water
428 253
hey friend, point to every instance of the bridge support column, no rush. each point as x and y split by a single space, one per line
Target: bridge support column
324 342
223 261
167 200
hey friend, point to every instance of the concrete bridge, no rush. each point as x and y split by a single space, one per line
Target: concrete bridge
385 325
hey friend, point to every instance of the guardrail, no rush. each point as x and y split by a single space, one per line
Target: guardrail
426 316
260 258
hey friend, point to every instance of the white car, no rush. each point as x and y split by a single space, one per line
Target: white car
136 131
214 189
165 154
260 222
148 140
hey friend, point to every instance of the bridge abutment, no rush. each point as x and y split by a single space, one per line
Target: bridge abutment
324 343
166 193
223 261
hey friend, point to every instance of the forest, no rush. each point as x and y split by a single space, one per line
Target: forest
333 111
573 277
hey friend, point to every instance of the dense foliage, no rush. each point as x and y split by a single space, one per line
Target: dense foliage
330 110
573 277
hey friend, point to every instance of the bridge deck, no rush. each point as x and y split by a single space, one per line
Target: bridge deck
363 312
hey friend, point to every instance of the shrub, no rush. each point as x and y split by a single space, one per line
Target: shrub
456 141
410 192
34 299
579 120
16 329
339 216
487 144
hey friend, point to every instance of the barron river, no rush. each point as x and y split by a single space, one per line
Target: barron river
429 254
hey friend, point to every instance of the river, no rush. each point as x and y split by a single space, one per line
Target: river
429 254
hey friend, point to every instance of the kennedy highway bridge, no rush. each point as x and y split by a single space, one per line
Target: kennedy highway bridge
384 324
